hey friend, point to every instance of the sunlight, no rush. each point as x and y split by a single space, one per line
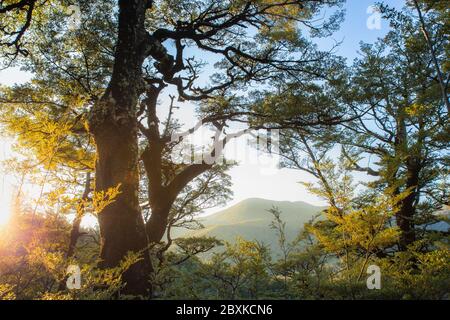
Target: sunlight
6 186
5 203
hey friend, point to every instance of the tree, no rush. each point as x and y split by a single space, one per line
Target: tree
110 84
23 244
438 6
396 121
407 121
240 270
16 19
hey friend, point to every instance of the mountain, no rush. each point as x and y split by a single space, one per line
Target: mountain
250 219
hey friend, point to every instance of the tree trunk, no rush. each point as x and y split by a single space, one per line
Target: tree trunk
405 216
121 223
157 224
161 197
114 127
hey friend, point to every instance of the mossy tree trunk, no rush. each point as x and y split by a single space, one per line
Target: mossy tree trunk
114 127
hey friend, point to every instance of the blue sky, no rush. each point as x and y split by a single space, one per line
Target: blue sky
249 180
354 29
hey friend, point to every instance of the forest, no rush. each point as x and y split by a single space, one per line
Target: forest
106 173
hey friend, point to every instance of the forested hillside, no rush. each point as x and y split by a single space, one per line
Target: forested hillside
250 219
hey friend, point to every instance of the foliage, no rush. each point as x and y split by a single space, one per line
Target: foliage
384 116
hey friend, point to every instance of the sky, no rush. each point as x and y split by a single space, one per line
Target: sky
253 180
283 186
249 181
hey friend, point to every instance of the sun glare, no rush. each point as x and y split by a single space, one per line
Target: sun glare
5 203
6 184
6 188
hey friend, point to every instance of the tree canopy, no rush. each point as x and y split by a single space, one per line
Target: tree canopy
97 127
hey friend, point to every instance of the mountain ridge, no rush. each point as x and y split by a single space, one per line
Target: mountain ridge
250 219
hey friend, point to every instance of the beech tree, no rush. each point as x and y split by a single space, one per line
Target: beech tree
434 13
396 129
121 59
408 122
98 124
16 19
